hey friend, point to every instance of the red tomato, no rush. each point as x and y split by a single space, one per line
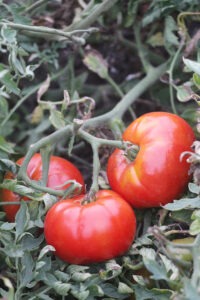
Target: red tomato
84 233
156 176
60 171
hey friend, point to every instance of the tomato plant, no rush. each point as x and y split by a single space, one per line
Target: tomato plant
157 175
60 171
83 233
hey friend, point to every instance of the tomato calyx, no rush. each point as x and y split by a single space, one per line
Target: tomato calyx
131 152
89 197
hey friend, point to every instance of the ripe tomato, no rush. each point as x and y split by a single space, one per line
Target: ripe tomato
84 233
156 176
60 171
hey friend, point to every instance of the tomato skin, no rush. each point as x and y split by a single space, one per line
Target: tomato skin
60 171
91 232
156 176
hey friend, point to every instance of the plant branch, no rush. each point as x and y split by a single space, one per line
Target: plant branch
170 72
50 31
34 6
119 110
92 17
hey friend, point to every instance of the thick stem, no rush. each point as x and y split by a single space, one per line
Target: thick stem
96 168
118 111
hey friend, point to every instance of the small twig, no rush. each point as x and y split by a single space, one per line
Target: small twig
142 52
35 5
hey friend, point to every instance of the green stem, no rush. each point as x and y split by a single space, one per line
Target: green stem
142 52
96 168
115 86
92 17
118 111
45 154
171 69
35 5
50 31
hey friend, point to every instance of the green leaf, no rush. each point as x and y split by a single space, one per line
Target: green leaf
123 288
96 63
30 243
151 263
196 80
56 118
8 81
8 34
170 39
26 274
192 65
6 146
83 295
190 291
184 93
185 203
22 218
142 293
45 250
61 288
194 188
8 165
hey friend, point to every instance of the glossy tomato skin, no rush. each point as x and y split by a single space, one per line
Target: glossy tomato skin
92 232
60 171
156 176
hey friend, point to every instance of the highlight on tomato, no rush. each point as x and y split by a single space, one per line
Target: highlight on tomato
89 232
60 171
156 175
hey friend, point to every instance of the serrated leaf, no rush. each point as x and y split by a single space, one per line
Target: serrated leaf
22 218
196 80
192 65
8 34
156 39
123 288
190 291
83 295
30 243
142 293
8 165
62 288
194 188
184 93
43 88
185 203
26 274
80 276
6 146
45 250
169 36
195 227
56 118
151 263
7 226
96 63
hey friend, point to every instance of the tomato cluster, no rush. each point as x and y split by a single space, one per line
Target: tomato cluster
85 231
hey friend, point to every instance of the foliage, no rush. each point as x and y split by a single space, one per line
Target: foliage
73 74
